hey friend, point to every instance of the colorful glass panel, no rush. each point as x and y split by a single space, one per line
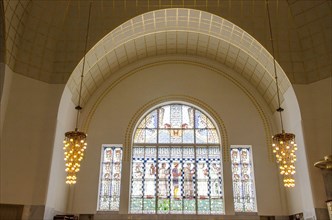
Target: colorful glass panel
243 179
175 148
110 178
176 180
216 184
149 180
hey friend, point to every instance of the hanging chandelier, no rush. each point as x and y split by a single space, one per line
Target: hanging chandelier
75 141
283 144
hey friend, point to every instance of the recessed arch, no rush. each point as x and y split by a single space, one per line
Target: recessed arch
181 140
180 31
225 72
171 99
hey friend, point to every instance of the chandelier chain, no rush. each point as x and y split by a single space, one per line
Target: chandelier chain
75 141
274 66
78 107
284 145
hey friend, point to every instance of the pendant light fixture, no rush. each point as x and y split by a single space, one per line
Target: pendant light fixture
75 141
284 145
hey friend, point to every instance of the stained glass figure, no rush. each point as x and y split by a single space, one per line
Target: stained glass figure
176 166
110 178
243 179
203 200
176 180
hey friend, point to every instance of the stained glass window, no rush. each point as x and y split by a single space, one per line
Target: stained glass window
243 179
110 178
176 165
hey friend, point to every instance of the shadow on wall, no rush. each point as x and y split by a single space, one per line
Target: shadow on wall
2 48
8 212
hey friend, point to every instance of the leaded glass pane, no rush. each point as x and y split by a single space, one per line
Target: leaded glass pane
213 136
164 117
176 206
202 175
188 136
200 120
187 117
163 206
163 172
189 173
142 124
137 180
217 206
152 120
170 177
176 180
109 189
203 206
139 136
189 206
243 180
150 172
176 135
136 204
150 135
176 116
201 136
149 205
209 123
164 136
215 173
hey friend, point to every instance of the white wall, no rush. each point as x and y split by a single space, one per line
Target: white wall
315 101
32 109
241 118
27 140
300 198
58 190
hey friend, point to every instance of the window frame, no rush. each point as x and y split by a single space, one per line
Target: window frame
195 145
251 160
103 146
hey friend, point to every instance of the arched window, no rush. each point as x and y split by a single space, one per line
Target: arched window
176 163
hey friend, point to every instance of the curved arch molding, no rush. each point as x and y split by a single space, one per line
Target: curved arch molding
222 129
191 100
180 31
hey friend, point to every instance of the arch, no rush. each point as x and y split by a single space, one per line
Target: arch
88 116
176 161
180 31
186 99
95 66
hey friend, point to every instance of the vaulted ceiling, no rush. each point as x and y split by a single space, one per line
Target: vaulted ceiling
45 38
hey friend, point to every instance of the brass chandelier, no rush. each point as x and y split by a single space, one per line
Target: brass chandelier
283 144
75 141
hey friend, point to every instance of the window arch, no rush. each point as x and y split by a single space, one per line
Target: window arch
176 163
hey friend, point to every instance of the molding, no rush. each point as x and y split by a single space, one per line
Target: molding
265 120
170 98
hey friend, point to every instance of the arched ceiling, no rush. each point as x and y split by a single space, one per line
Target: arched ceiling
44 39
183 32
